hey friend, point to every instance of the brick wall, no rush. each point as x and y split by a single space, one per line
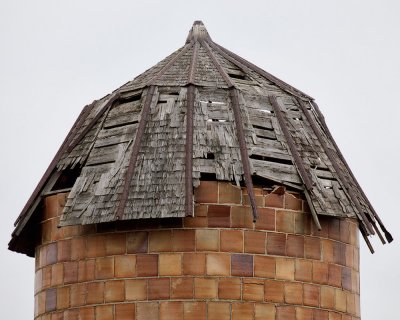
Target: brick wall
216 265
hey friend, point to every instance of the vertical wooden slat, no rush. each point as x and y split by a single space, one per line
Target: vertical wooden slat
189 151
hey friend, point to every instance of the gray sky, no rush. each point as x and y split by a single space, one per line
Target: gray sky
57 56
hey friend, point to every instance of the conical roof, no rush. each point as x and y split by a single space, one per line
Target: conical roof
203 112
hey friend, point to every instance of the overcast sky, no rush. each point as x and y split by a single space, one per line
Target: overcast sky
57 56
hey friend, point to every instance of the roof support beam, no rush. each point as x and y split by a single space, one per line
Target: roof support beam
189 151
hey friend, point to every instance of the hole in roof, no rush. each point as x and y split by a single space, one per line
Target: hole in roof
262 128
270 159
210 155
67 179
162 101
298 119
265 137
208 176
266 111
174 94
237 76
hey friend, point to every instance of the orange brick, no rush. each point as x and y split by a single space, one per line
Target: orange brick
302 223
311 295
170 264
335 275
78 294
158 288
104 268
312 247
194 263
327 297
219 216
125 311
104 312
229 193
114 291
96 246
200 210
205 288
276 244
340 300
95 293
137 242
242 311
304 313
231 240
86 270
258 198
218 310
295 246
78 248
274 291
147 310
285 313
63 298
207 240
195 222
320 314
339 253
335 316
241 217
264 266
285 268
242 265
57 274
351 307
125 266
52 207
194 310
266 219
303 270
71 314
320 272
171 310
64 251
160 241
46 274
253 290
292 202
70 272
254 241
218 264
87 313
136 289
327 250
147 265
183 240
264 311
349 256
116 243
293 293
345 231
181 288
206 192
274 200
229 288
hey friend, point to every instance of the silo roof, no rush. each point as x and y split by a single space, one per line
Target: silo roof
203 112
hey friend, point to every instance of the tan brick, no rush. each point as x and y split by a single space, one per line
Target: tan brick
284 221
293 293
136 289
231 240
264 311
241 311
194 310
194 263
229 288
171 310
78 294
218 310
46 274
327 250
241 217
104 312
181 288
205 288
57 274
304 313
229 193
160 241
253 290
207 240
170 264
218 264
303 270
327 297
264 266
86 270
147 310
63 298
340 300
320 314
125 266
285 268
114 291
285 313
104 268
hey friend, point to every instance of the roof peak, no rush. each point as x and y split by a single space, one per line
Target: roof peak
197 32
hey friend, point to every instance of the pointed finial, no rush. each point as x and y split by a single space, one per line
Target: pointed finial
197 32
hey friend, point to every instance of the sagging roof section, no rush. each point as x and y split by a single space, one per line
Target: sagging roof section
139 152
